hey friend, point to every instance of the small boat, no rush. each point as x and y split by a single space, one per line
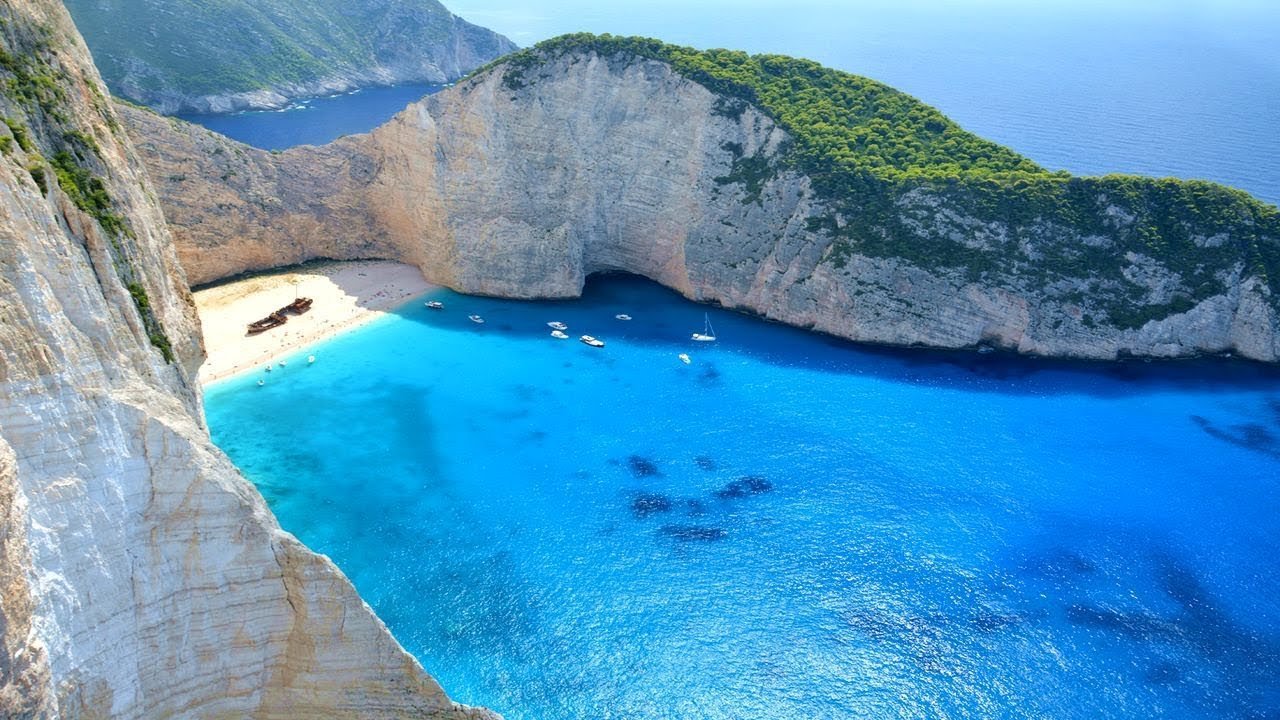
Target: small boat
435 305
557 325
708 333
622 316
684 358
283 363
559 335
593 342
476 319
311 359
261 383
270 368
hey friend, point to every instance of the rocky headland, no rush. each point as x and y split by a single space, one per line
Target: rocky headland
708 173
220 56
143 577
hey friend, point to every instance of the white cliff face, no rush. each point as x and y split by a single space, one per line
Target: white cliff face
142 576
592 164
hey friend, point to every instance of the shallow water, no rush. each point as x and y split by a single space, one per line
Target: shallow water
787 527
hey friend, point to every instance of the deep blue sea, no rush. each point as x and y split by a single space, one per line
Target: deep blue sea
788 527
315 121
1187 88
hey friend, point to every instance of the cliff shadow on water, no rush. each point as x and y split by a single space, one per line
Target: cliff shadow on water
665 319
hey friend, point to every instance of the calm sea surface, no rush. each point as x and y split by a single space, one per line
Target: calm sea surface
1189 88
318 120
786 527
791 527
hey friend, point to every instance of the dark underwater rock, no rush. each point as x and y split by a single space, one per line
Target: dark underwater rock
744 487
694 533
643 467
646 504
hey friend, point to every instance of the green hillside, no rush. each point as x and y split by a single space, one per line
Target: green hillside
866 146
147 49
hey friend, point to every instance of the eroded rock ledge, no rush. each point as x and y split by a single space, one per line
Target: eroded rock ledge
594 161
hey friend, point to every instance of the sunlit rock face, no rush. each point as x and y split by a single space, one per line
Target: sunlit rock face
594 163
140 575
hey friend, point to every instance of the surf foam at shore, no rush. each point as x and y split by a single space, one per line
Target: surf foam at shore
346 294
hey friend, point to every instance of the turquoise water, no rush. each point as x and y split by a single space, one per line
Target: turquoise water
787 527
315 121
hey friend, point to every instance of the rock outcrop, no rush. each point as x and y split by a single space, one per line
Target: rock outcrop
229 55
140 575
524 179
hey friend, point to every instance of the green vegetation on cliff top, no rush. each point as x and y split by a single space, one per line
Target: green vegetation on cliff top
148 48
41 121
867 148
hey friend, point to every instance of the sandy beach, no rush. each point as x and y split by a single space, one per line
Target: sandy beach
346 294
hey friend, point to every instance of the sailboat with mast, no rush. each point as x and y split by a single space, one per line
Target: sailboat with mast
708 333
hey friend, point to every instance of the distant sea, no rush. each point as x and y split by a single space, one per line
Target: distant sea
315 121
1185 88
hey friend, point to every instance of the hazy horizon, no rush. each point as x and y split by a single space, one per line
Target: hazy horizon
1189 89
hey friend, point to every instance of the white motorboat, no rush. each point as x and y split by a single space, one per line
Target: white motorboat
476 319
559 335
708 333
684 358
435 305
557 325
593 342
622 316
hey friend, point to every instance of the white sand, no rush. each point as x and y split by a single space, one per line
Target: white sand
346 294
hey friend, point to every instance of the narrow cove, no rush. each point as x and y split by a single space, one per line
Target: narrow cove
789 526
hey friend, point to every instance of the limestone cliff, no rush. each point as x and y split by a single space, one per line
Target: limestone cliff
140 575
566 161
227 55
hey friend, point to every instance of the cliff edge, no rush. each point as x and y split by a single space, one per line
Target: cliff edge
764 183
141 575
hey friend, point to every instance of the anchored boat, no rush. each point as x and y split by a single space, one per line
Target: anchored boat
708 333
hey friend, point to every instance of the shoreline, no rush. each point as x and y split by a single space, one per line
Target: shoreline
347 295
